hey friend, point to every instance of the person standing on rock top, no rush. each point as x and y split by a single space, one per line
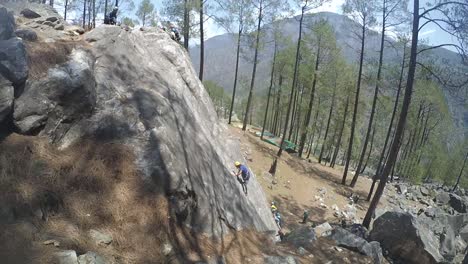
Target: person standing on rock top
111 18
242 174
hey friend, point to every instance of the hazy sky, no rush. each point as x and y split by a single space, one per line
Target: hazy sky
431 33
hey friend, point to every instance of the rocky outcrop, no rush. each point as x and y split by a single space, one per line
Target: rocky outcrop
65 96
26 34
28 13
301 237
144 93
6 98
351 241
7 24
458 203
406 239
13 62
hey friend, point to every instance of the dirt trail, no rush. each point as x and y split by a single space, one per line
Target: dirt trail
299 182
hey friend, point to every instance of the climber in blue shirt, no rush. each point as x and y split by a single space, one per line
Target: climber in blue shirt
243 175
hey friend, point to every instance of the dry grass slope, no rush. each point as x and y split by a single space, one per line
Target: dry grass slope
99 188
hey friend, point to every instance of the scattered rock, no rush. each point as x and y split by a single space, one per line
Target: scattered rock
280 260
26 34
13 62
442 198
59 27
76 29
48 23
66 257
301 237
323 229
167 249
7 24
91 258
405 238
301 251
52 242
28 13
100 238
458 203
353 242
401 188
52 19
337 249
424 191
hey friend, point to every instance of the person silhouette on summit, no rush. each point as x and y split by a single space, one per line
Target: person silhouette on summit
111 18
243 175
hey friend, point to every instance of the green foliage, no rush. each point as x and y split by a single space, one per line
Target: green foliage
145 11
220 98
129 22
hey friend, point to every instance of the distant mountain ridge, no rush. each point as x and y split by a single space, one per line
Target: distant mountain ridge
220 52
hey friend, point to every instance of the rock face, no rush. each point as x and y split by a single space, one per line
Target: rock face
143 92
7 24
458 203
6 98
91 258
28 13
351 241
406 239
26 34
66 94
13 63
280 260
301 237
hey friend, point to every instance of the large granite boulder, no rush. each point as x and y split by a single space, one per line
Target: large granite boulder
302 237
144 93
13 60
28 13
442 198
353 242
26 34
7 24
458 203
406 239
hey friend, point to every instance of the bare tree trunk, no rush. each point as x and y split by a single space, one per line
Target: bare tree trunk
298 122
202 43
376 95
294 83
105 8
338 143
314 127
84 13
370 151
65 10
235 74
460 174
402 121
356 103
51 3
94 13
294 112
269 89
254 71
186 25
390 126
330 114
311 101
319 135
